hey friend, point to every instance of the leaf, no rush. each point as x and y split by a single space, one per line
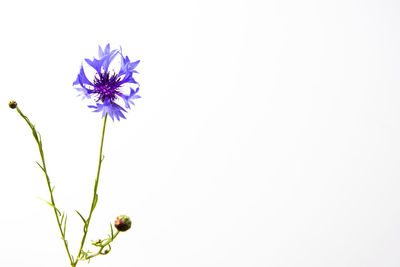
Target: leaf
39 138
65 223
112 231
59 213
83 219
95 201
34 133
40 167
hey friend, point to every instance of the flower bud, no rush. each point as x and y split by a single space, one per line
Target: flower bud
123 223
96 242
12 104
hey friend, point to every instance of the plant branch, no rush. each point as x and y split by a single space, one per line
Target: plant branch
63 221
95 196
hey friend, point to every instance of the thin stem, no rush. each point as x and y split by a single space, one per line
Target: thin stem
94 201
100 252
57 213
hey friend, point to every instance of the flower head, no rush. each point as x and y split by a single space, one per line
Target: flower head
109 88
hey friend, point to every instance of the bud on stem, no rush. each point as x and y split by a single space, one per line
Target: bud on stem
12 104
123 223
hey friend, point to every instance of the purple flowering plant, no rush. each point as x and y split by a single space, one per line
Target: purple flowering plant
113 92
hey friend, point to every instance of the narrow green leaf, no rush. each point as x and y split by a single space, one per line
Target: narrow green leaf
40 166
83 219
34 133
112 231
95 201
59 213
65 223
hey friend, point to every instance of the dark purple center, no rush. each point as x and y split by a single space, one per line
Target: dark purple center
106 86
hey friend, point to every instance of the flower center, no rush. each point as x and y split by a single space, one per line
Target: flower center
106 86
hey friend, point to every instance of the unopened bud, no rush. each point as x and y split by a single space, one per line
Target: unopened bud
12 104
96 242
123 223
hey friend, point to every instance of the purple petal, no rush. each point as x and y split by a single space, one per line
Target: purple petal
96 63
128 99
81 78
84 92
112 109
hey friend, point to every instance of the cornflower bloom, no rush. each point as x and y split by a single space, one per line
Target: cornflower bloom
108 88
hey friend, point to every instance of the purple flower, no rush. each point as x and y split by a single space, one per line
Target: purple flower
107 88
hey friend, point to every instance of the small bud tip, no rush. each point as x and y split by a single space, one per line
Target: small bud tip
12 104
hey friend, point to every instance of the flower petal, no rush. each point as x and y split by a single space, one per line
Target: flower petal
81 78
128 99
106 51
96 63
112 109
84 92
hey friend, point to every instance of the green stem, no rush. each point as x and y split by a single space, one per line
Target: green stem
57 213
94 201
102 247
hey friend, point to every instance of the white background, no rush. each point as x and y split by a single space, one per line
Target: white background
268 133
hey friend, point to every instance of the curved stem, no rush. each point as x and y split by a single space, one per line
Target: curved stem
52 203
94 201
102 247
